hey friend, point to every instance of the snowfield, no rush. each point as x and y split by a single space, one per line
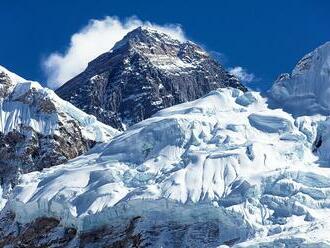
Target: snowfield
226 158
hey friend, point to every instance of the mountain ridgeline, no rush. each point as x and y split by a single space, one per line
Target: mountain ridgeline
144 72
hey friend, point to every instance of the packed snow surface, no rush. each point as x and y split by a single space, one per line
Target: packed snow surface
228 154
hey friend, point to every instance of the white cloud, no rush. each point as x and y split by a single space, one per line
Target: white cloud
242 74
97 37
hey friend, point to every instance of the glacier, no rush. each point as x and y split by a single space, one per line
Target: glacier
226 160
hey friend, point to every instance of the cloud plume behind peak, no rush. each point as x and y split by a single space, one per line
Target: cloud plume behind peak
97 37
242 74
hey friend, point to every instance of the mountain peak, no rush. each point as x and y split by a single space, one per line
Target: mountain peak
144 31
306 90
164 52
146 71
146 35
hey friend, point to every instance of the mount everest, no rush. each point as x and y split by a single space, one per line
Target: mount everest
231 168
144 72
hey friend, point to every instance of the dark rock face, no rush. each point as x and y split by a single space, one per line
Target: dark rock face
25 150
5 84
134 232
43 232
146 71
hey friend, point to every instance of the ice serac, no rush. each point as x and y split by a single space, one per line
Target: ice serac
144 72
219 170
306 90
38 129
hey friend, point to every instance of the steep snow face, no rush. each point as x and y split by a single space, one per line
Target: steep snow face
307 89
225 158
27 103
14 77
38 129
143 73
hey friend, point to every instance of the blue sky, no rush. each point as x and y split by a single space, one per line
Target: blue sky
264 37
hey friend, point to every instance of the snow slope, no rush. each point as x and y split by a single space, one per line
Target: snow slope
225 161
17 109
307 89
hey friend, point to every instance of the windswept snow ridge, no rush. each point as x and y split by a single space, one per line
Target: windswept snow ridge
20 107
225 158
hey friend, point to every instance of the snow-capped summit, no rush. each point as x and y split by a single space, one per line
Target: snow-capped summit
146 35
307 89
144 72
38 129
164 52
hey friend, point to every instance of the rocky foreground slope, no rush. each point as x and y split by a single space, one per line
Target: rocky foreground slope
144 72
225 169
39 130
